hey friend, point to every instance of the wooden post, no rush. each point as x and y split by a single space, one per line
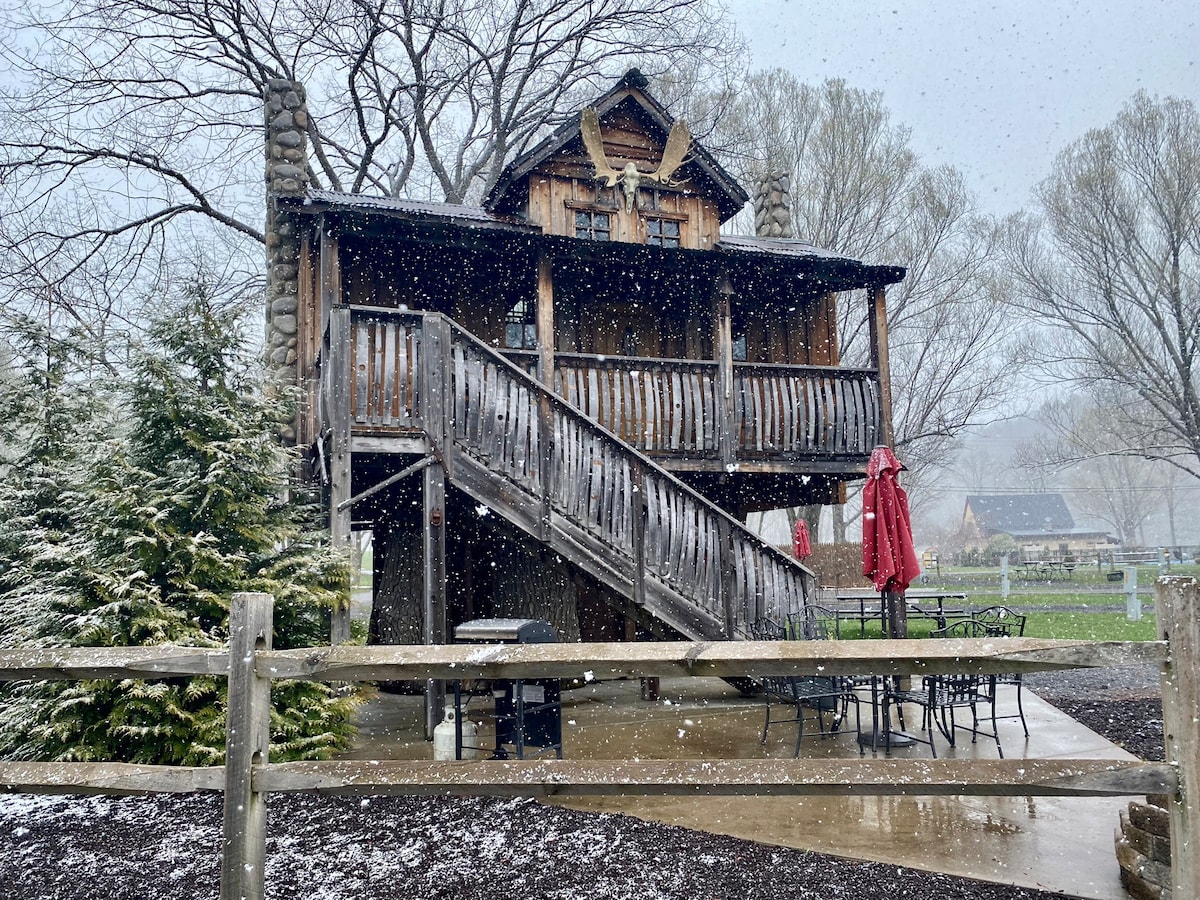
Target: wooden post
545 319
545 373
339 453
1177 608
877 319
330 274
247 744
637 508
433 551
435 372
728 573
723 345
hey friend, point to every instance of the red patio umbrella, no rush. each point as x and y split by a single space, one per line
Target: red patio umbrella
889 558
801 546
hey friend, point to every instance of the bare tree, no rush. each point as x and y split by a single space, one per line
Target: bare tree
1121 491
858 188
1111 269
1080 448
128 117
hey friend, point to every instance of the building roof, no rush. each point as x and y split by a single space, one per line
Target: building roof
794 256
316 201
725 191
1022 514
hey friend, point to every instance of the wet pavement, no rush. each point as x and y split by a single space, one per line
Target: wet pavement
1055 844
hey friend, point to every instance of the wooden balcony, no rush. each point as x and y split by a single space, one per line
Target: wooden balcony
771 418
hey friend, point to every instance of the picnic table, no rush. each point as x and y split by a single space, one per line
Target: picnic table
920 603
1046 568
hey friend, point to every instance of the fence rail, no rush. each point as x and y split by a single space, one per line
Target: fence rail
248 777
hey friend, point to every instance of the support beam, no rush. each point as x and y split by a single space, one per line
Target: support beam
387 482
338 404
433 552
723 350
545 319
545 374
637 509
877 319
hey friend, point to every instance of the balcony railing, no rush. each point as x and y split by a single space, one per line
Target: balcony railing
674 410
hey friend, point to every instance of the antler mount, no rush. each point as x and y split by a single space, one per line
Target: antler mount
679 142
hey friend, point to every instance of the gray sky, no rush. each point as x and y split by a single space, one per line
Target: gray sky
994 89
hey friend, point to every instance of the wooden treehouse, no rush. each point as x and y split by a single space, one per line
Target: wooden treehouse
563 403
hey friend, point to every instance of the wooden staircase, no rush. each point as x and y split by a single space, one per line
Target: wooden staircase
419 382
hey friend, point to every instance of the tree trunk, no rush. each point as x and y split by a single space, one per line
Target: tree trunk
396 610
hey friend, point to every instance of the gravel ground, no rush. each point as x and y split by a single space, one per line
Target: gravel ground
396 848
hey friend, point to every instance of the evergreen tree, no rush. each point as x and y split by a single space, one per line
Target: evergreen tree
184 506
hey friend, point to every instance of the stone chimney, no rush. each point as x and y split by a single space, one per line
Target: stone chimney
286 121
773 206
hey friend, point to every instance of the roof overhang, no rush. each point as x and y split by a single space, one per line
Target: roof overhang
745 260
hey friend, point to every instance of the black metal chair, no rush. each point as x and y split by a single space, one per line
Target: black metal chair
822 694
940 696
1002 621
815 623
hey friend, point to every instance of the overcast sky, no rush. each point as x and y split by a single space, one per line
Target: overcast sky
994 89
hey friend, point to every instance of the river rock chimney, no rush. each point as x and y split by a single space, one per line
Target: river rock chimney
773 206
287 173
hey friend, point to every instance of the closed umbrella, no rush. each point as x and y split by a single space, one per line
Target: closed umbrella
889 557
801 545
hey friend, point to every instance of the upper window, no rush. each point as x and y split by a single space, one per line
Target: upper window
592 225
662 232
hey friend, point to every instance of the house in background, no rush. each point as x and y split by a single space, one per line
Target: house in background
1041 525
563 404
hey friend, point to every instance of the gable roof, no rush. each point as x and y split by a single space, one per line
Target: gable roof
1022 514
723 188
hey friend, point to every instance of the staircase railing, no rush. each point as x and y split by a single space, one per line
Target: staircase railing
562 477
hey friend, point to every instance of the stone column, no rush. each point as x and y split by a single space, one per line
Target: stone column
286 123
773 206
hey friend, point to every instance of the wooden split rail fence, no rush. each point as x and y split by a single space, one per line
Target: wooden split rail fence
250 664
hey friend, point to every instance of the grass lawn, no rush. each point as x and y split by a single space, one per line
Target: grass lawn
1090 626
1084 625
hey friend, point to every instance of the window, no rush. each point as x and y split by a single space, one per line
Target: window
520 333
662 232
739 347
593 226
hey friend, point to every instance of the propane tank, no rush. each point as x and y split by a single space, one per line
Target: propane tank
443 737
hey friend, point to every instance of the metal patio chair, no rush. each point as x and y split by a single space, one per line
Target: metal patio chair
1002 621
941 696
822 694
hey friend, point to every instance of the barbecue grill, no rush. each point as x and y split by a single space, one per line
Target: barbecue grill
527 712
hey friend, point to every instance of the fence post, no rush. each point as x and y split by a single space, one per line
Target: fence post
1133 606
1178 611
247 738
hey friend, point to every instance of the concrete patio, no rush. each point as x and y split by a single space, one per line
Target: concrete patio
1054 844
